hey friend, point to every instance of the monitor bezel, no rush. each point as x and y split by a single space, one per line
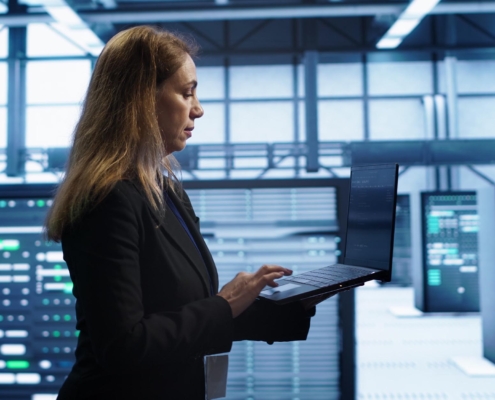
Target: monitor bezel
28 190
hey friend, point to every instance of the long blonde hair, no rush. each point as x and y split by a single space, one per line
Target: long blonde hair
117 136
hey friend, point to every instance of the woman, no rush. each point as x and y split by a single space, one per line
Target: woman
146 286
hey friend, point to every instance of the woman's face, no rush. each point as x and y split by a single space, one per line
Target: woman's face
177 106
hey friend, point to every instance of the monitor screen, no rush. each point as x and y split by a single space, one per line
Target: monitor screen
371 218
37 318
450 251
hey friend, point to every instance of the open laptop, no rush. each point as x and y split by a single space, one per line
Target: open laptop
369 240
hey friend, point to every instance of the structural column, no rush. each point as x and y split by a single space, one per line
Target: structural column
452 173
16 127
310 93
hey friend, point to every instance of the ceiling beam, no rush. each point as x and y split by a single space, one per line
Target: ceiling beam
468 7
13 20
238 13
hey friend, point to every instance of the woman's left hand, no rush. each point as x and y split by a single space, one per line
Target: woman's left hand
315 300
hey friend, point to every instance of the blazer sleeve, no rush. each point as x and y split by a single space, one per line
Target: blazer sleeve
273 323
102 252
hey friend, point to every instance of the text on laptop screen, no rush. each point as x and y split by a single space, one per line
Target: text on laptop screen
371 217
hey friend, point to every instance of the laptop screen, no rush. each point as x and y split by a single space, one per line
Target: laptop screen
371 216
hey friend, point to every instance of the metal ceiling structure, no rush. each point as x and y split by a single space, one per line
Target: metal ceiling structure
240 32
226 27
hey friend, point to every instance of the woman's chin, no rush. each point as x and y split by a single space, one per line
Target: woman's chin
176 147
180 148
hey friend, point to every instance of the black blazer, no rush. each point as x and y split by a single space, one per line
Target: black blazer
144 308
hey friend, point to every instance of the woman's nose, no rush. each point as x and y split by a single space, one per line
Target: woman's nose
197 111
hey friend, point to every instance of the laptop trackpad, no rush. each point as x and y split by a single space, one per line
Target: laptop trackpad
279 289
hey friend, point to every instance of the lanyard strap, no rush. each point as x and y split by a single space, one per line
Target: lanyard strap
176 212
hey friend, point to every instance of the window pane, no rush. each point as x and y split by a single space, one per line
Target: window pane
476 76
302 121
3 127
264 81
44 41
340 120
340 79
262 122
211 163
300 81
4 42
50 126
472 76
476 117
211 83
51 82
400 78
471 181
210 128
396 119
416 179
3 83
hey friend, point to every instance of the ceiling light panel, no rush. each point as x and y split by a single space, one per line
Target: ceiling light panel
389 43
408 20
403 27
65 15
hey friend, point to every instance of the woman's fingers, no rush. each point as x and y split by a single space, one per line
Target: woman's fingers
267 274
241 291
270 279
266 270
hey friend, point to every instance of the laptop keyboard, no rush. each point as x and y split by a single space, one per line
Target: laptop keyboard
326 276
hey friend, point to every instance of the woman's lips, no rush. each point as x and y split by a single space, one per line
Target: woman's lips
188 132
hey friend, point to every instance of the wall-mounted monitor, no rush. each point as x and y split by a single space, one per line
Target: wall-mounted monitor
450 253
37 319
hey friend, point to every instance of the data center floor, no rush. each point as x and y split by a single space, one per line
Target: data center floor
409 358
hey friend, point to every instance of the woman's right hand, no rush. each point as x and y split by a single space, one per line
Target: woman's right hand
241 291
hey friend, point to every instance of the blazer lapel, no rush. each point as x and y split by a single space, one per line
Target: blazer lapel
198 238
173 230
